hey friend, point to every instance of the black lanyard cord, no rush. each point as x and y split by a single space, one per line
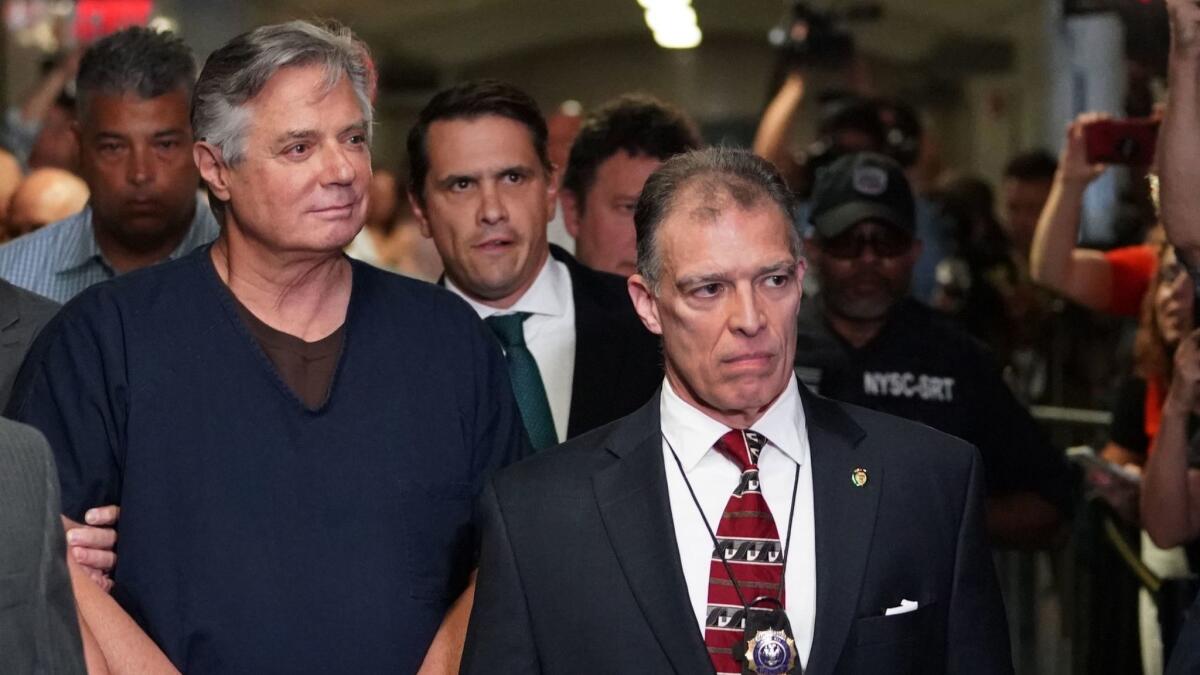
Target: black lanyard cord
787 545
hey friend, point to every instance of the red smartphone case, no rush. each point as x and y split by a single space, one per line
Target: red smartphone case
1128 141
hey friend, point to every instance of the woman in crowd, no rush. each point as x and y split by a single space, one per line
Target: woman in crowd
1143 415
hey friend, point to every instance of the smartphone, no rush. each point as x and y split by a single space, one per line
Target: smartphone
1124 141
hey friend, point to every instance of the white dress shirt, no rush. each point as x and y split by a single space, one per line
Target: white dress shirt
714 476
549 334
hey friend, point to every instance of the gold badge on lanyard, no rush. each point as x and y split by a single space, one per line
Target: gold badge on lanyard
771 652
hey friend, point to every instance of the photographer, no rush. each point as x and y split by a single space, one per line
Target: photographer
848 123
809 42
1105 281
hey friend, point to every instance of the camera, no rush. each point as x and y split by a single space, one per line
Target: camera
815 38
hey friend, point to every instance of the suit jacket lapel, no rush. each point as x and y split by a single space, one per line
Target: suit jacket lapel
844 516
631 494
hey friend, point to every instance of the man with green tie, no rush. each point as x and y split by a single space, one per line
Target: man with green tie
483 189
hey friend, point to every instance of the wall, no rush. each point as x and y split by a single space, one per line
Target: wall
723 82
726 77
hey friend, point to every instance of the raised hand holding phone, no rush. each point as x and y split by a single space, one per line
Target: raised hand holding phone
1074 165
1126 141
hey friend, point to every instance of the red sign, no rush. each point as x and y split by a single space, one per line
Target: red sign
95 19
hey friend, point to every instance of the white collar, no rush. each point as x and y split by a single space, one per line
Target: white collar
692 433
547 296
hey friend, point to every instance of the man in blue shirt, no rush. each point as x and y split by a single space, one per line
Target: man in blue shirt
295 439
134 89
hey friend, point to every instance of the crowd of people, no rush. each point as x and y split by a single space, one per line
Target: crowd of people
268 408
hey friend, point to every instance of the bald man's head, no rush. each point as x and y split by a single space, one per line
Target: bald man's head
45 196
10 178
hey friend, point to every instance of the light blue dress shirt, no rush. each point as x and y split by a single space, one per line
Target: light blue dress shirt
61 259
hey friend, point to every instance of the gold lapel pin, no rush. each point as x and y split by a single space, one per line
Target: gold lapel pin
858 477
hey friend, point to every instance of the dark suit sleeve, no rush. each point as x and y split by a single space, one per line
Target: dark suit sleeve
500 635
62 647
39 629
977 630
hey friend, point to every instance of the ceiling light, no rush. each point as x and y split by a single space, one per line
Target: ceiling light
678 37
673 23
653 4
667 18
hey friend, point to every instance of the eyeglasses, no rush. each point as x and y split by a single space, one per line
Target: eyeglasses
886 242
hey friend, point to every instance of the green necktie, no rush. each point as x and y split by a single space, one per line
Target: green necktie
526 379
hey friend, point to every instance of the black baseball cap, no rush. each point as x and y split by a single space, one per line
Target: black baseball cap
862 186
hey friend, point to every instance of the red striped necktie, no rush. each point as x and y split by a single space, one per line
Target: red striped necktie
748 541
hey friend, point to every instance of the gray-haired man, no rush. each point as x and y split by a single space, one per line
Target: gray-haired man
135 142
294 439
134 91
737 522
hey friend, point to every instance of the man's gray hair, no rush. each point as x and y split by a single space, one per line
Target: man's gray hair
134 60
714 176
237 72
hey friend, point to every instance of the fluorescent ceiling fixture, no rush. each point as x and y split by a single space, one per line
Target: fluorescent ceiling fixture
678 37
653 4
670 18
673 23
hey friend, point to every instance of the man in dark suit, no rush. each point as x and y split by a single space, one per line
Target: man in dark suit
483 189
736 520
22 315
39 629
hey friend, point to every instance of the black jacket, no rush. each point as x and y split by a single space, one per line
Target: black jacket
580 567
617 361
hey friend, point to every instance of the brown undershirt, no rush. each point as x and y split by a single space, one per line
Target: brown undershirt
306 367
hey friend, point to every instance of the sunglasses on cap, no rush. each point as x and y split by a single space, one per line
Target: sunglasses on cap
886 242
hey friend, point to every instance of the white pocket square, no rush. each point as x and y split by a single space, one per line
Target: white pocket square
904 607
